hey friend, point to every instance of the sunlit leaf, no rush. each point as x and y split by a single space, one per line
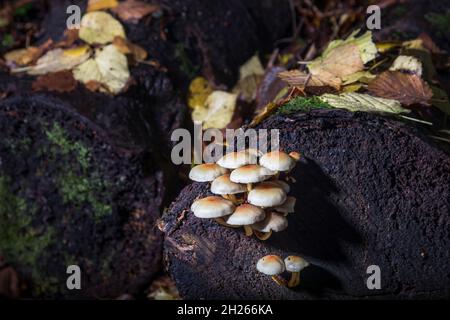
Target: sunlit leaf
218 110
96 5
407 63
99 27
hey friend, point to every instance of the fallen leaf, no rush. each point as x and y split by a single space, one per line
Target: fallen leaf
62 81
134 10
57 60
96 5
99 27
70 36
218 110
23 57
109 67
363 102
309 83
126 47
409 89
407 63
360 77
250 75
199 90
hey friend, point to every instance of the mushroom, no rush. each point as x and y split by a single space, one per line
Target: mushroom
272 265
246 215
206 172
226 188
213 207
266 195
249 174
288 206
279 160
273 221
295 264
279 183
234 160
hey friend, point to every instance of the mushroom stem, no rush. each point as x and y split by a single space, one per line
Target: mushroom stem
222 222
249 187
248 231
231 197
295 280
277 175
280 281
262 235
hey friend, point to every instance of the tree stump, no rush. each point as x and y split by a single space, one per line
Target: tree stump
370 191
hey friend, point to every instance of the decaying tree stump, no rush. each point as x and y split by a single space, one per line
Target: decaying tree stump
370 190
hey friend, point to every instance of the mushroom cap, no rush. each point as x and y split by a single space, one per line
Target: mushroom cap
223 185
277 161
295 155
212 207
279 183
251 173
206 172
288 206
271 265
266 195
238 159
273 222
295 263
246 214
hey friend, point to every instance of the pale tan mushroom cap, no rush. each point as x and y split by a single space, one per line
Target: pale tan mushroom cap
279 183
271 265
266 195
206 172
238 159
212 207
295 263
288 206
251 173
223 185
246 214
273 222
277 161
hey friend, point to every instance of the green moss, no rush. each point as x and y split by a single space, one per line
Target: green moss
440 22
75 188
302 104
20 243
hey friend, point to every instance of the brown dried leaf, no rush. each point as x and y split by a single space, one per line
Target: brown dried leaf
95 5
126 47
62 81
134 10
70 36
297 78
23 57
409 89
93 85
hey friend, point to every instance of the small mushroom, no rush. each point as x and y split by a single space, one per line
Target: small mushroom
273 222
206 172
279 183
246 215
249 174
227 188
234 160
266 195
213 207
279 160
272 265
288 206
295 264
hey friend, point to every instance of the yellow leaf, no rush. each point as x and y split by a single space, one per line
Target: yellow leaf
363 102
360 76
199 90
269 109
22 57
109 67
96 5
57 60
126 47
250 75
407 63
99 27
218 110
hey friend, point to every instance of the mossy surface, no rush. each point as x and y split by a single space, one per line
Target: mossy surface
78 187
19 240
302 104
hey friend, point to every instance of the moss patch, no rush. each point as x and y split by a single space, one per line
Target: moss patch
78 188
302 104
20 243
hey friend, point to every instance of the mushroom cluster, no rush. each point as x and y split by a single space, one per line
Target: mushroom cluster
273 266
248 191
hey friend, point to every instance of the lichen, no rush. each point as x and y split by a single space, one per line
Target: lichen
20 243
302 104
